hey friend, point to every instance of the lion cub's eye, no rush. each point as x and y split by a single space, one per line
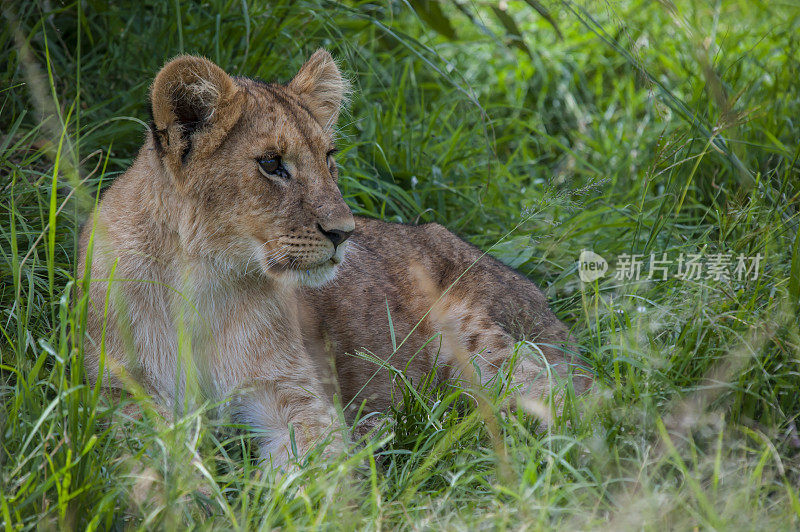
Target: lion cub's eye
272 165
331 163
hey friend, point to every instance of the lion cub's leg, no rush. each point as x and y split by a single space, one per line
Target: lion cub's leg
289 416
476 348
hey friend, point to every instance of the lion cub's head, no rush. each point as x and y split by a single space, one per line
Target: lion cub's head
252 165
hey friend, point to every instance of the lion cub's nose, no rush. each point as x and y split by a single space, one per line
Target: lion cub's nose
336 236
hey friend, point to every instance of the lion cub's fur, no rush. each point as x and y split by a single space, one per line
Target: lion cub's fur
212 275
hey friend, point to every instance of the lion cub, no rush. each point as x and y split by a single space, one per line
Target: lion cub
211 259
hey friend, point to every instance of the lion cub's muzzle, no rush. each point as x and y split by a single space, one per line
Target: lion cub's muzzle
311 255
321 245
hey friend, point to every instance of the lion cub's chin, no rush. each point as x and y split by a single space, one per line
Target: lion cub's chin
313 276
316 276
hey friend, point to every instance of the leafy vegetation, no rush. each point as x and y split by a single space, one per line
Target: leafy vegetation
533 129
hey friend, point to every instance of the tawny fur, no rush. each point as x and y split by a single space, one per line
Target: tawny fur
211 279
488 306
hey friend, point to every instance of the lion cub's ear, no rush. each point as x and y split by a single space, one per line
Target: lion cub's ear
195 104
322 87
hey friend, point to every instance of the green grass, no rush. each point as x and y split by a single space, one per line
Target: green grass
648 128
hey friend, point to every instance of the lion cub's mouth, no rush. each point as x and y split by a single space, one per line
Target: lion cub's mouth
322 272
324 265
314 274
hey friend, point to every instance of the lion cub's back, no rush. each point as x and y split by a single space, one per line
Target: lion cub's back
400 271
384 255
